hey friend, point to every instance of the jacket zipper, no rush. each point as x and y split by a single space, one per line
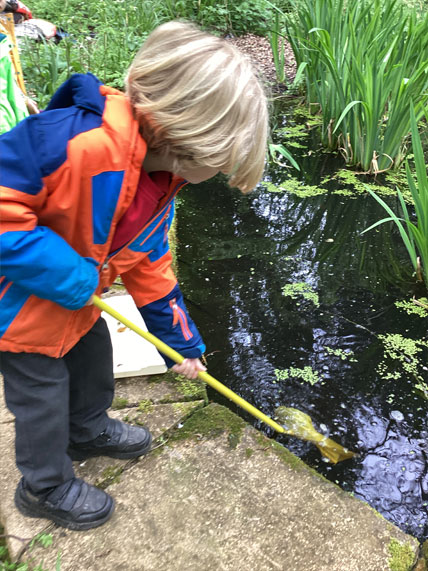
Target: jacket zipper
179 317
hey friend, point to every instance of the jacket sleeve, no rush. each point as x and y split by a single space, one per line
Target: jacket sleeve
35 257
160 302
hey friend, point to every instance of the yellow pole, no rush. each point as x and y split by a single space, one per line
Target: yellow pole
174 356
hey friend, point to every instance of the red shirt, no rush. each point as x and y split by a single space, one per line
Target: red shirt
150 191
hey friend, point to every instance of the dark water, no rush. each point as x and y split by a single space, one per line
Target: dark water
235 255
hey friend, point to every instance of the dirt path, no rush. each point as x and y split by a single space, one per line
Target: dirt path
259 51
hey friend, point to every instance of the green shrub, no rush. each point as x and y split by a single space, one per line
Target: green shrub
103 36
248 16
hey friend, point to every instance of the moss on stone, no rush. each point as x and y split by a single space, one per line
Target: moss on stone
249 452
119 402
180 407
145 406
110 475
425 550
167 399
167 377
210 422
190 389
402 556
272 447
185 409
234 439
117 288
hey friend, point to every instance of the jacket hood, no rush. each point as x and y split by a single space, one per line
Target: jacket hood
81 90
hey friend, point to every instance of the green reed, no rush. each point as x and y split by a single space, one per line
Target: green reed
364 62
414 234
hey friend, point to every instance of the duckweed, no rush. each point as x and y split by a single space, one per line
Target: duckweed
413 307
295 186
307 374
301 289
341 353
404 353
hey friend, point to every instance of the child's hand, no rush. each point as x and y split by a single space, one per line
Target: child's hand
189 368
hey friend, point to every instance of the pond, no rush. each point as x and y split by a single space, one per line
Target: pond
297 308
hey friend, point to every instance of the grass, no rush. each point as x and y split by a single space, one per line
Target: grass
42 539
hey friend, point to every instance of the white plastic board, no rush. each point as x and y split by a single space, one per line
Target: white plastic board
132 355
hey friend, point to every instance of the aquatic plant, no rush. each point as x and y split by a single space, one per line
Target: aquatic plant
276 150
414 307
295 186
344 355
277 44
301 289
414 236
402 356
307 374
365 61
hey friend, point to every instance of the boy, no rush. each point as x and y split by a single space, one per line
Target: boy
88 191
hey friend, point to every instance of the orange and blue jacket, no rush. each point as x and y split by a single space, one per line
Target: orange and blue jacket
67 176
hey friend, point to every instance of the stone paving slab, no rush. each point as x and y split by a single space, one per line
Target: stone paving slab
165 388
160 418
146 393
12 521
221 496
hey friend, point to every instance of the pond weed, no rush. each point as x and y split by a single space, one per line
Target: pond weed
301 289
343 354
414 307
401 356
306 374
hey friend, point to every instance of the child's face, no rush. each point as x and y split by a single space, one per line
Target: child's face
198 174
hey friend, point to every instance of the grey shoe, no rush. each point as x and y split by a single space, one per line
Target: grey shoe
118 440
74 504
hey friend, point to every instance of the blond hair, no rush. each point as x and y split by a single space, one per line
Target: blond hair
198 99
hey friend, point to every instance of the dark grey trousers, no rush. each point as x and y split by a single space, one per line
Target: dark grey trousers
57 400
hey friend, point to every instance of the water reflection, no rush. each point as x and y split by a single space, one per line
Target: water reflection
393 474
235 255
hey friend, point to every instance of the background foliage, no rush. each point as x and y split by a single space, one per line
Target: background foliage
103 37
